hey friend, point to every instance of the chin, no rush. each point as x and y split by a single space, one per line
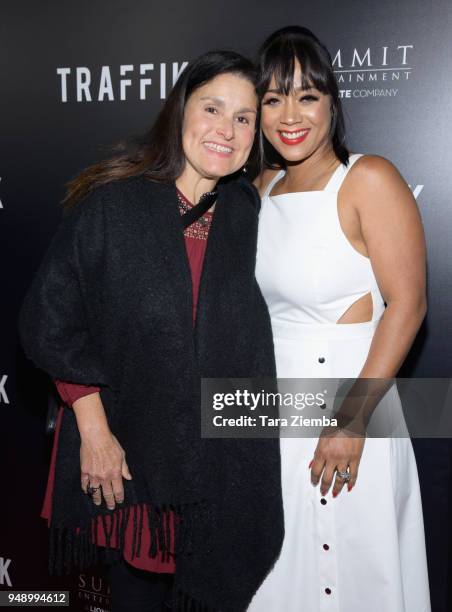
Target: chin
292 154
217 171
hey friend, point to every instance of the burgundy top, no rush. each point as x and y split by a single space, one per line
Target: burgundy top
195 242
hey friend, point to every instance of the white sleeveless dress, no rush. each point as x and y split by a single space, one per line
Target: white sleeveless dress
363 551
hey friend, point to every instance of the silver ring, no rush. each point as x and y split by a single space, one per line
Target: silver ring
345 475
91 490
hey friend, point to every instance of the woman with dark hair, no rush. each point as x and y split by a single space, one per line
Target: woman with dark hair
341 264
127 313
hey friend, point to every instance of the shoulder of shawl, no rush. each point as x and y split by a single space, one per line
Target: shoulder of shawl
119 197
244 192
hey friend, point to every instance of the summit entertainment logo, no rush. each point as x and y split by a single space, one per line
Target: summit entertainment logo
373 72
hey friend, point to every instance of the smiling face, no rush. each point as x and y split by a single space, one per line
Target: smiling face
219 127
297 124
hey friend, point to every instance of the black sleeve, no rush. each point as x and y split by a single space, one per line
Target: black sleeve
57 318
251 192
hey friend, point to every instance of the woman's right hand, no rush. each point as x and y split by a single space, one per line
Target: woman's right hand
102 458
103 466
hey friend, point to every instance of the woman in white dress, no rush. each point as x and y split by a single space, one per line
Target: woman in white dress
341 264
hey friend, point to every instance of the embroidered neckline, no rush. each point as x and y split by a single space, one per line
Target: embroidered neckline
200 228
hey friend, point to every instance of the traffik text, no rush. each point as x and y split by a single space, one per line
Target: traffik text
3 395
83 84
4 571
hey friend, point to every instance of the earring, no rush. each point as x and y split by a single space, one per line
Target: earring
244 170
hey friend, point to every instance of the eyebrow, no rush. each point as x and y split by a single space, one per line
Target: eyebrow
277 90
220 102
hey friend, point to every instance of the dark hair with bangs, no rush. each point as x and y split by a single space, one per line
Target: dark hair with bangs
277 57
158 154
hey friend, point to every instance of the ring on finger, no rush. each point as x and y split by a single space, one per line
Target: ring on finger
344 475
91 490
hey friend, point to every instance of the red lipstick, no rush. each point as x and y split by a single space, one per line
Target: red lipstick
293 141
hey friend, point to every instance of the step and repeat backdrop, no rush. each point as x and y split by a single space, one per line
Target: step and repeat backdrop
79 76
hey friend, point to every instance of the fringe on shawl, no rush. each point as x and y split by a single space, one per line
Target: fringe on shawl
78 547
182 602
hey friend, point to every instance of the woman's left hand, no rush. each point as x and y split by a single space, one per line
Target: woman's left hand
336 451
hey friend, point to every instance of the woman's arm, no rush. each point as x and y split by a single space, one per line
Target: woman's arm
60 312
102 459
393 235
390 232
58 329
87 406
71 392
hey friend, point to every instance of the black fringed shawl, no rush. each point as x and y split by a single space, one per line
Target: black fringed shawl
111 305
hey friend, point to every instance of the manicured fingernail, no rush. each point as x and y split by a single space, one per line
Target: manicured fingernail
309 467
334 493
349 487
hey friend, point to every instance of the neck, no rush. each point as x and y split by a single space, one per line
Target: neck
318 162
193 185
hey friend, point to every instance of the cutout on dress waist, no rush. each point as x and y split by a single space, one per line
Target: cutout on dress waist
361 311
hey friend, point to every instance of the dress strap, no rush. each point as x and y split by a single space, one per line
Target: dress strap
272 183
335 182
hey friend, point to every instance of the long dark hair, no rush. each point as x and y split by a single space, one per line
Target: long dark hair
159 154
277 57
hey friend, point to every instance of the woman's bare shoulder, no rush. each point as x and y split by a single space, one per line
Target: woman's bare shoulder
369 170
263 179
375 185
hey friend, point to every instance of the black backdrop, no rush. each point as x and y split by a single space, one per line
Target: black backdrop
75 79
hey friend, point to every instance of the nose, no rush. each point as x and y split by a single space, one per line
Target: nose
225 128
291 113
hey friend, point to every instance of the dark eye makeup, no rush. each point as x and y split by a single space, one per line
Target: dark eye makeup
304 98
